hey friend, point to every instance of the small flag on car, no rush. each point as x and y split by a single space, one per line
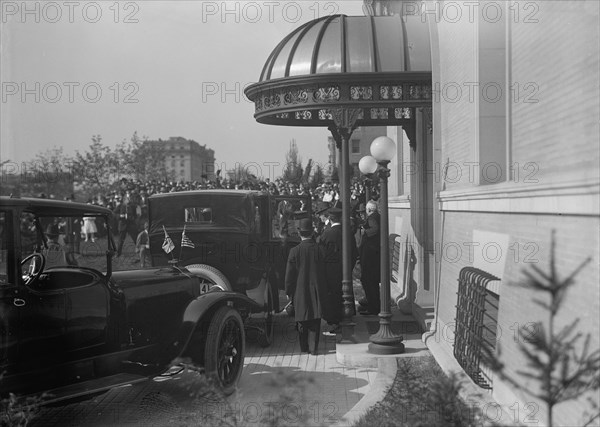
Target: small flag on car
186 241
167 245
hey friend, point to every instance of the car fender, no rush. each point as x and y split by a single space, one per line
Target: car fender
203 307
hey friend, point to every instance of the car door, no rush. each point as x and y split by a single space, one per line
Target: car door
42 318
87 302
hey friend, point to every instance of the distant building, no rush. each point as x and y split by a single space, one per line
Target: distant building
360 143
185 159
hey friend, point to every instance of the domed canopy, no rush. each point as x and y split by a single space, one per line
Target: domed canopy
381 64
350 44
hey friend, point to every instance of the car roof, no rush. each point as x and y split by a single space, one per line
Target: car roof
214 192
52 207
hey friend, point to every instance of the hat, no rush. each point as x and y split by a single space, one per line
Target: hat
321 207
336 211
306 225
52 230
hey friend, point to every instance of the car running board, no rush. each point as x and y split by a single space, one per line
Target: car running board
90 387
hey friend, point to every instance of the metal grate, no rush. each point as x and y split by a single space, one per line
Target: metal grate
471 320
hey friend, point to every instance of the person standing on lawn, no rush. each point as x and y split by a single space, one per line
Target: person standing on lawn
304 285
127 217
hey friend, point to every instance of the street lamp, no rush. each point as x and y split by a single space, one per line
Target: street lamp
368 166
382 151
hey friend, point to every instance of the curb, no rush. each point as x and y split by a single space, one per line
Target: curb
386 373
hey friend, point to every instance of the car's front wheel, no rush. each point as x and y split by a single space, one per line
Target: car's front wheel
224 349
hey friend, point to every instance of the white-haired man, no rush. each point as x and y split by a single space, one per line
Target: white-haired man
370 258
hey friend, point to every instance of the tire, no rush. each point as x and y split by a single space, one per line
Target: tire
265 338
224 349
211 274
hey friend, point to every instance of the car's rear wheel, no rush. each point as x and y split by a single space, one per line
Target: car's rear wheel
224 349
265 338
211 274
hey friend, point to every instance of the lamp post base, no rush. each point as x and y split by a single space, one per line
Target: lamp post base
396 348
385 341
347 334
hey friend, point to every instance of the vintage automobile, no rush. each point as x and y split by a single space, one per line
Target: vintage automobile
236 239
72 326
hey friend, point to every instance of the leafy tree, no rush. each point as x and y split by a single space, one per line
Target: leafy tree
293 165
145 159
241 174
97 168
306 173
317 177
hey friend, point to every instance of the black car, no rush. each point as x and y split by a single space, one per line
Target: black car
71 326
237 239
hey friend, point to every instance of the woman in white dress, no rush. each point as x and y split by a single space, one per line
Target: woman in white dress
89 228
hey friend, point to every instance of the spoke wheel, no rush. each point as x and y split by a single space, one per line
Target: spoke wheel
224 349
265 338
211 275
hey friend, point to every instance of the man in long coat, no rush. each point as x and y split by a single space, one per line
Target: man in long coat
370 258
331 242
127 225
304 284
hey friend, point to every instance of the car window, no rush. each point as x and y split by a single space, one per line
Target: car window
72 241
198 214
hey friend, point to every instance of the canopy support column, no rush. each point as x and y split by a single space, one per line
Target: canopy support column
345 120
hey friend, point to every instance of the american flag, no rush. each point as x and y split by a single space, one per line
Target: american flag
167 245
186 241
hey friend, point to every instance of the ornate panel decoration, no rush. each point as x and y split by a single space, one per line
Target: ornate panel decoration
272 101
418 91
361 93
325 114
403 113
303 115
379 113
314 97
390 92
327 94
295 97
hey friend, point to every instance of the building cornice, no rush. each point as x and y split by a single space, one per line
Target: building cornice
580 197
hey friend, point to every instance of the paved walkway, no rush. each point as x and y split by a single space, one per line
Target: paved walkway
279 386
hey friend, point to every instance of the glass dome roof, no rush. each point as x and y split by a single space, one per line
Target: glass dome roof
351 44
379 65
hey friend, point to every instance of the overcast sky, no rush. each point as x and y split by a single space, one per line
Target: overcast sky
71 70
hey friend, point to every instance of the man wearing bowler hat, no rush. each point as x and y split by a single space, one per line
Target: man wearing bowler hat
331 242
304 285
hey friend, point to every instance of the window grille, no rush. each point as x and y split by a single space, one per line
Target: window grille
476 322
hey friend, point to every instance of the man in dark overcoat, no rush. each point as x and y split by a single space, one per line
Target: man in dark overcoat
370 259
331 242
304 285
127 222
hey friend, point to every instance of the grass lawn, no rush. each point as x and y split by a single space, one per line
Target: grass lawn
421 395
